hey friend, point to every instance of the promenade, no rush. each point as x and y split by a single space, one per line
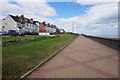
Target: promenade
83 58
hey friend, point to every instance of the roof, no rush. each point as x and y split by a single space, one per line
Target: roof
18 19
28 20
15 18
23 20
34 22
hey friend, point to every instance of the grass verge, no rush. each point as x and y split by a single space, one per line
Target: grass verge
20 58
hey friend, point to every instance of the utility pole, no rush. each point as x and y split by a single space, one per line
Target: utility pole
73 29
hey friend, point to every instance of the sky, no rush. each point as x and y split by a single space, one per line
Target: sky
92 17
68 9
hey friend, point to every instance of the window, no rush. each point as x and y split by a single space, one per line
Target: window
3 27
26 20
20 20
21 25
27 24
31 21
6 24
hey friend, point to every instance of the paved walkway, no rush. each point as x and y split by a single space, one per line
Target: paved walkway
84 58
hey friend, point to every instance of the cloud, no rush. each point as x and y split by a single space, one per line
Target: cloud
100 19
28 8
91 2
36 9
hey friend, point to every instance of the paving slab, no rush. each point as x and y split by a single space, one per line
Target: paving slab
83 58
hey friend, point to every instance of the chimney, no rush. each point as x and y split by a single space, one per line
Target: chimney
54 26
16 15
51 25
48 24
22 17
32 19
44 22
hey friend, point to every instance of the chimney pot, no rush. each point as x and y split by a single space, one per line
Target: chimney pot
49 24
44 22
22 17
31 18
16 15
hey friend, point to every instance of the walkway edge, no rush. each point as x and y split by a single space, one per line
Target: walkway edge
26 74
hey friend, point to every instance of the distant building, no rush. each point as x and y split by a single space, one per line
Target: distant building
47 28
50 28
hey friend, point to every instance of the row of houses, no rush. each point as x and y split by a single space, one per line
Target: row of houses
22 23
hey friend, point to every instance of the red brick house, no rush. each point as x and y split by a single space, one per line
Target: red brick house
42 27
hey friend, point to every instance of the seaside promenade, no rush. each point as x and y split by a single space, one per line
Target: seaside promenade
83 58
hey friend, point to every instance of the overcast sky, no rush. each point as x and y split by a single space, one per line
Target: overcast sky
93 17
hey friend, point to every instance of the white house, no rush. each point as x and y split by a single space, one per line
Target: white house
9 23
18 23
50 28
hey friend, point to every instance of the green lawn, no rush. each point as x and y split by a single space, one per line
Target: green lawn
0 57
20 58
6 39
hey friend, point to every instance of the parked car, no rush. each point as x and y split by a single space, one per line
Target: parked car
20 32
31 33
34 33
28 33
3 33
12 33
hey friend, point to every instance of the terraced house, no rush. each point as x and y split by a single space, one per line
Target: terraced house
49 28
18 23
24 24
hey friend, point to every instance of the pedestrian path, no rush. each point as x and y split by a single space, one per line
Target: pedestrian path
83 58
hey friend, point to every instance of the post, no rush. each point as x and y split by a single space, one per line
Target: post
73 29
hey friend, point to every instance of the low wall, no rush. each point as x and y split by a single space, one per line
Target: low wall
44 33
113 43
57 33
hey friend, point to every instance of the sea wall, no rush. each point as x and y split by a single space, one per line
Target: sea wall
110 42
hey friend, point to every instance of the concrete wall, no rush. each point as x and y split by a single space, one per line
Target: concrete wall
44 33
113 43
